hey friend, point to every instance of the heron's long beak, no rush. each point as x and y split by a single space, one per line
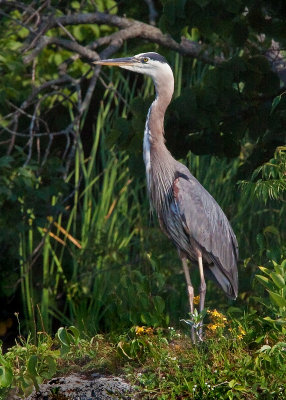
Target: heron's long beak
120 62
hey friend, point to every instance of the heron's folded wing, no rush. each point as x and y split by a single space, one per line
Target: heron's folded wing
206 223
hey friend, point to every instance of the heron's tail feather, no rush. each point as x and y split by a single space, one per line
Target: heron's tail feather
214 272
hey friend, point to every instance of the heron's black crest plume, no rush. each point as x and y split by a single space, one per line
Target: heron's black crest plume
155 57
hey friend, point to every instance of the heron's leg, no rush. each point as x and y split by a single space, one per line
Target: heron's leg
203 290
190 289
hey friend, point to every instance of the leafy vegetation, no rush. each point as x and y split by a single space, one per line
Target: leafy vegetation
232 363
273 279
93 282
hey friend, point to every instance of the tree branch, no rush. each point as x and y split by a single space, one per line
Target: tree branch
67 44
129 29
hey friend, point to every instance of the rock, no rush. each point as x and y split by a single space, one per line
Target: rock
82 387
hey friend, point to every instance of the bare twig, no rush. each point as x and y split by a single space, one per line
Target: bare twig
66 32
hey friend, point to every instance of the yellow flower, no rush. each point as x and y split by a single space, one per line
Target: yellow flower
217 317
212 327
216 314
241 332
139 330
197 300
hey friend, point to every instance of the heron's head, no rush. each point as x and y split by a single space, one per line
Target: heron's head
151 64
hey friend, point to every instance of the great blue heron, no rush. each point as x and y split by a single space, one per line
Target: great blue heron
187 213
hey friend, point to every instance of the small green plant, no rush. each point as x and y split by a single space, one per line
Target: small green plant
72 345
25 365
6 373
272 357
274 281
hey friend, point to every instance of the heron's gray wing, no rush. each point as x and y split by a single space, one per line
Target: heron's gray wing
205 222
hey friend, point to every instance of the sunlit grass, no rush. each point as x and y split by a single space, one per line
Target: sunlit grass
160 363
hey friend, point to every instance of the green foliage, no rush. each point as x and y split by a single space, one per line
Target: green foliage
196 319
25 365
73 346
160 363
271 357
26 201
87 248
268 181
274 281
223 368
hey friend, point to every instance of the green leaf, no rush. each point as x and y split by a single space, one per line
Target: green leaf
51 367
278 280
159 304
265 270
264 348
278 299
145 318
264 281
6 376
78 32
271 229
279 321
232 383
32 365
75 5
275 103
63 337
279 269
75 333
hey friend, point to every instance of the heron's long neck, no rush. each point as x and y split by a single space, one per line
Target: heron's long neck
156 156
156 114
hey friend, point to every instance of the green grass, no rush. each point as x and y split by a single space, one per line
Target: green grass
234 362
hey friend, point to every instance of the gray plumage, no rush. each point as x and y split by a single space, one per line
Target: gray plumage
187 213
190 216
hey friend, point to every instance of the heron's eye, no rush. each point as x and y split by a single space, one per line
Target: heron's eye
145 59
